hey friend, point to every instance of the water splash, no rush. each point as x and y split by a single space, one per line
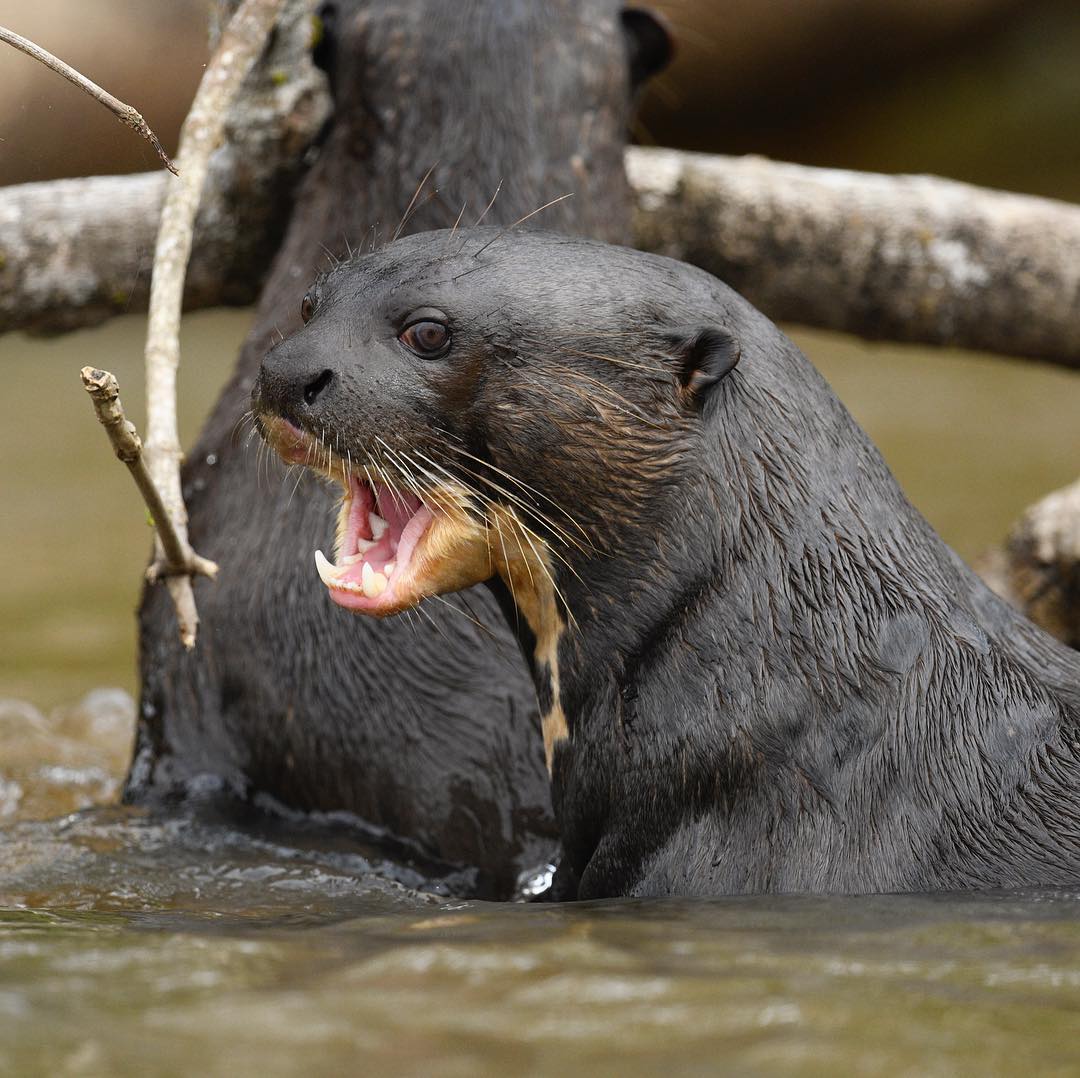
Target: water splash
70 759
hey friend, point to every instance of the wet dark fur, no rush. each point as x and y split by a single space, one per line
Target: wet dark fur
777 677
423 727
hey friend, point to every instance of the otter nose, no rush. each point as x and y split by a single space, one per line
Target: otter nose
314 389
291 383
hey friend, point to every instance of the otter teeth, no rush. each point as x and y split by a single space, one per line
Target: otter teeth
374 583
378 526
328 571
389 568
362 547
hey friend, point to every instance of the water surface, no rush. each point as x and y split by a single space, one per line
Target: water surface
193 949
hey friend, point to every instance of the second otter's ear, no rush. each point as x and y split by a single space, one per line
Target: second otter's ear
649 43
705 356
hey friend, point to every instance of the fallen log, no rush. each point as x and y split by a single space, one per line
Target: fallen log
908 258
903 258
74 253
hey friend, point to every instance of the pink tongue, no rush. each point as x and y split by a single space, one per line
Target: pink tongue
397 510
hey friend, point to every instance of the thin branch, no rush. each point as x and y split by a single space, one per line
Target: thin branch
240 45
180 558
104 391
124 113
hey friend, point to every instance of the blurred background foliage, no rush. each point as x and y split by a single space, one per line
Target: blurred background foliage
980 90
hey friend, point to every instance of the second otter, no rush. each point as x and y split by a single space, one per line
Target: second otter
759 668
405 729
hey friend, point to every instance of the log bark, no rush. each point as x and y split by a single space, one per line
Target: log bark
909 258
1041 564
76 252
904 258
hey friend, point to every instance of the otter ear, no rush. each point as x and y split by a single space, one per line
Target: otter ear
705 356
649 43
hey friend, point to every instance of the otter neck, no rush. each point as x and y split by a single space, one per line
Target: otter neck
781 662
527 590
569 611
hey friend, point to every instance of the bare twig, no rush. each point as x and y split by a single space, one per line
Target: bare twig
104 391
124 113
240 45
181 559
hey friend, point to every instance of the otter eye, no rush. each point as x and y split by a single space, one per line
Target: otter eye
427 339
307 308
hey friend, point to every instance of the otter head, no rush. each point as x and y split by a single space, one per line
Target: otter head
494 404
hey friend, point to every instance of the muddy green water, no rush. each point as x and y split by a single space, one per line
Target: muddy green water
135 945
190 950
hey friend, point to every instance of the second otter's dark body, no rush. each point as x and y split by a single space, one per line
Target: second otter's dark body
775 676
420 730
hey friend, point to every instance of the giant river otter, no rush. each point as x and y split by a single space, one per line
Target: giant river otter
759 668
420 728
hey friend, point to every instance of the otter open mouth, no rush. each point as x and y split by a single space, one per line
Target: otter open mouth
378 533
396 544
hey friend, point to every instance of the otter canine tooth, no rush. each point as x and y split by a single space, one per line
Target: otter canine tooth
378 526
374 583
389 568
327 570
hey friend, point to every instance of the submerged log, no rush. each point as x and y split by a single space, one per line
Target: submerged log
1042 564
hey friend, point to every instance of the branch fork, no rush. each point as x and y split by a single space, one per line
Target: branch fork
175 560
156 469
